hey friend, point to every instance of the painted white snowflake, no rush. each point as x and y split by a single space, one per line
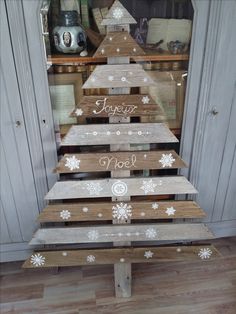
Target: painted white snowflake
148 186
151 233
119 188
170 211
65 214
110 78
91 258
117 13
93 235
79 112
72 163
94 188
145 100
122 211
37 260
205 253
167 160
148 254
155 206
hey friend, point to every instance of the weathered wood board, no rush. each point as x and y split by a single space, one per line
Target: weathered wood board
134 133
118 75
120 255
118 44
72 163
120 233
118 15
122 211
117 106
121 187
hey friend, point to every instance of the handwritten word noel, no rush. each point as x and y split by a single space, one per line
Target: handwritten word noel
113 162
111 110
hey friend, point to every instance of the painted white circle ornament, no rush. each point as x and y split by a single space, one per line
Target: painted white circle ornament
119 188
117 13
37 260
65 214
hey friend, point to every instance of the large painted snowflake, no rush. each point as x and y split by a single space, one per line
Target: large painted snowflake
122 211
148 186
148 254
90 258
94 188
37 260
72 163
205 253
151 233
65 214
93 235
145 100
170 211
167 160
117 13
79 112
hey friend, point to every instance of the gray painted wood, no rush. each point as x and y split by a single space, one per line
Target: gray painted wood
135 133
119 233
120 187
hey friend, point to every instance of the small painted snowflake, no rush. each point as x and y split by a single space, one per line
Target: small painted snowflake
148 254
148 186
117 13
151 233
65 214
205 253
91 258
72 163
122 211
93 235
170 211
167 160
145 100
79 112
155 206
94 188
37 260
110 78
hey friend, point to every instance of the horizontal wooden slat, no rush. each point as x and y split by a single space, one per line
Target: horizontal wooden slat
134 133
119 233
121 211
118 44
119 161
119 105
112 76
120 255
121 187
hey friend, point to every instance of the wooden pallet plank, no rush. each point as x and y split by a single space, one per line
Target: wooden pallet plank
121 233
117 105
121 255
121 187
117 44
92 162
134 133
116 75
118 15
121 211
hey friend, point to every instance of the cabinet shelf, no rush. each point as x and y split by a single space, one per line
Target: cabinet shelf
63 59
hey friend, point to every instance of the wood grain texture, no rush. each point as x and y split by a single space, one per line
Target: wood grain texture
105 211
117 44
123 16
120 233
93 162
122 255
117 105
121 187
135 133
116 75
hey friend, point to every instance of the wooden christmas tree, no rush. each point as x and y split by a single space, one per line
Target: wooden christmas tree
118 76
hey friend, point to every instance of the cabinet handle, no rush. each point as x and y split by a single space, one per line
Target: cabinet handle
214 112
18 123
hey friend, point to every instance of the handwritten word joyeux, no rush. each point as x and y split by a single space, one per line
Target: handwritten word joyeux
113 162
112 110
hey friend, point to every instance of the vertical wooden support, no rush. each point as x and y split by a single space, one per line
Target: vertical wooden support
122 271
